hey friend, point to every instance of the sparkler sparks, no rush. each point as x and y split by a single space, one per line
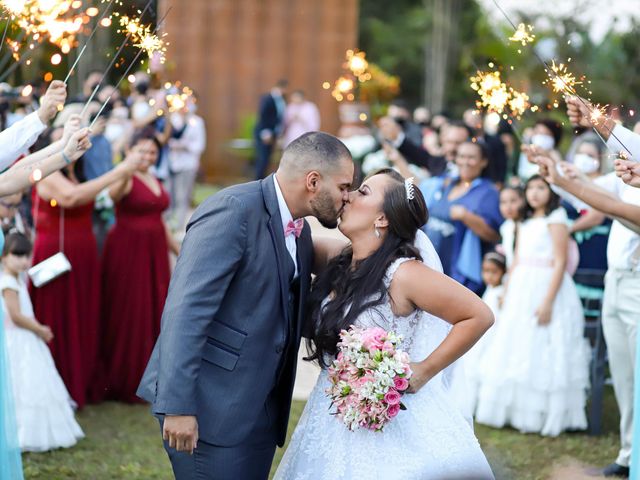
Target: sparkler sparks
14 7
152 44
518 103
523 34
493 92
497 97
562 80
598 113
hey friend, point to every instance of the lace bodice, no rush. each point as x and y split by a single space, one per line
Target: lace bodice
382 315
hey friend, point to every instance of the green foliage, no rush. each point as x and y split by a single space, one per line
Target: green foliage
395 35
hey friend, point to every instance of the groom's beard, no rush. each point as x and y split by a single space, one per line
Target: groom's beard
324 210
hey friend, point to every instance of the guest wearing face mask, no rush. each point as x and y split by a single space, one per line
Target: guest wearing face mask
590 227
546 134
189 139
119 128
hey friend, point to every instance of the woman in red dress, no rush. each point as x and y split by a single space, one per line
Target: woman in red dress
70 304
135 273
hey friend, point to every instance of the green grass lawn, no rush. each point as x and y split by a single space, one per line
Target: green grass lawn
123 442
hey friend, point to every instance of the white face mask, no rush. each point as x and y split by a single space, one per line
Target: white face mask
586 163
546 142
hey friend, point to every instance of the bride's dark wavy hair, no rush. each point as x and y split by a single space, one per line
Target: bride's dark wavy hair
354 289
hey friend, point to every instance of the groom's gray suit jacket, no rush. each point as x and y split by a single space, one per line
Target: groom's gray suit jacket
231 326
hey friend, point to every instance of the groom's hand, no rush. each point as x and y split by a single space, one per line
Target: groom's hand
181 431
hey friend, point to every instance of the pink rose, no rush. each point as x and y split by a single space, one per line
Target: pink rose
401 383
372 338
392 397
393 410
388 347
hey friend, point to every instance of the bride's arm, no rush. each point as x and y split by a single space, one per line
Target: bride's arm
439 295
325 248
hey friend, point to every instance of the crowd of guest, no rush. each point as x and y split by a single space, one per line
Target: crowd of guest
518 222
531 230
99 231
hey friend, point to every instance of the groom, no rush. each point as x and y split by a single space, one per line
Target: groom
221 375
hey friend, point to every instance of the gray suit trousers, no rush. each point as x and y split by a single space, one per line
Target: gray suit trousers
251 460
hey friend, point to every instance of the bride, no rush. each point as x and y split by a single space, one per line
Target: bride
381 280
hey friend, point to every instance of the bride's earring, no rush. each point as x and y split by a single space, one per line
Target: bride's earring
376 231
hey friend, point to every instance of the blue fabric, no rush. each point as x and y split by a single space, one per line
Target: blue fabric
592 243
467 264
461 255
98 160
10 460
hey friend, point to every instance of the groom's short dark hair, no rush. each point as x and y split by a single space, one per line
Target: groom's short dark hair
314 151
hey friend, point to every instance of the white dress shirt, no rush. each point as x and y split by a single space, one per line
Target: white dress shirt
285 215
15 140
622 241
624 140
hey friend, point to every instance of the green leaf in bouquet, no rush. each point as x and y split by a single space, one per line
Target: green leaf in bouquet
402 407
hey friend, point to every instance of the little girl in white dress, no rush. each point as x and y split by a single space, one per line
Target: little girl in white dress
44 409
493 273
536 372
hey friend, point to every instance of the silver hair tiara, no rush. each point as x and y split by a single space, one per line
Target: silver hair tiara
410 188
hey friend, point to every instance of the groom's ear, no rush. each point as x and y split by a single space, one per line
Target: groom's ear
312 181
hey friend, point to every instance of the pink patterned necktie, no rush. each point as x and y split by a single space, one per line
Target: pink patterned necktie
294 227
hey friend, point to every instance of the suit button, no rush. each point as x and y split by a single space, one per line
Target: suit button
279 349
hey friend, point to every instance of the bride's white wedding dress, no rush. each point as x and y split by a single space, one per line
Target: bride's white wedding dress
432 439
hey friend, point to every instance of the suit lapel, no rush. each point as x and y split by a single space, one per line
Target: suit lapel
277 237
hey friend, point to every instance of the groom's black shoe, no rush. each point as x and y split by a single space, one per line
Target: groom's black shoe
615 470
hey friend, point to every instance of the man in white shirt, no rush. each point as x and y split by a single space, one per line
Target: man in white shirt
621 302
16 139
189 139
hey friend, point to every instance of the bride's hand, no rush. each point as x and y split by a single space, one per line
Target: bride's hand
419 378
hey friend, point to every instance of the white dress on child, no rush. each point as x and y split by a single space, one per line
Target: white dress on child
474 358
432 439
535 377
44 409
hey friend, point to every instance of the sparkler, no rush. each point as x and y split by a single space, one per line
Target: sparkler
598 113
494 95
518 103
124 75
113 61
523 34
93 32
14 7
564 81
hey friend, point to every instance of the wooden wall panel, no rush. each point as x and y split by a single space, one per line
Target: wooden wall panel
232 51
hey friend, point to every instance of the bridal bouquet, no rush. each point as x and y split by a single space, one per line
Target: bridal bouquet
368 378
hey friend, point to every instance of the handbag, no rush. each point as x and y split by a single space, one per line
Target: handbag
56 265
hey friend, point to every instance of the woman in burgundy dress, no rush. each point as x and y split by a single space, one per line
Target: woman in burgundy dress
70 304
135 273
